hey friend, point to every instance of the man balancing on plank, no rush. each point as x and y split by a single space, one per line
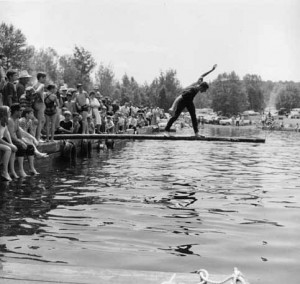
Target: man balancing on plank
185 100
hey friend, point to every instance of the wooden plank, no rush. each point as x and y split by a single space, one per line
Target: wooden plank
19 273
157 137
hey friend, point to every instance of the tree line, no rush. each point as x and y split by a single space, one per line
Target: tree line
228 94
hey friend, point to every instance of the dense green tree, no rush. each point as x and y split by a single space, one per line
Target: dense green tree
46 60
288 97
203 100
105 80
228 96
13 45
84 63
69 73
253 89
166 85
162 98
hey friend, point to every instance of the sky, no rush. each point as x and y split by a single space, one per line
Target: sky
142 38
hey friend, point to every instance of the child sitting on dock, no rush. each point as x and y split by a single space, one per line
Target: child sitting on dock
109 125
132 122
16 137
7 148
66 125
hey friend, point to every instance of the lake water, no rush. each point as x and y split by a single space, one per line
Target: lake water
173 206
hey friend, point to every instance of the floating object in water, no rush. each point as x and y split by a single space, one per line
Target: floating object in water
235 278
58 273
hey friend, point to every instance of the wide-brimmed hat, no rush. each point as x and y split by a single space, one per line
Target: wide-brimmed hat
30 89
24 74
67 113
63 88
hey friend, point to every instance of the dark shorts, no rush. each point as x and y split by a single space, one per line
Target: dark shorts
21 152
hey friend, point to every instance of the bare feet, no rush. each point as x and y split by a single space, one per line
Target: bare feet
14 175
198 135
34 172
6 177
23 174
41 155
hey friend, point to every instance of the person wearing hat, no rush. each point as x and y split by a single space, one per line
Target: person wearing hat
9 91
63 93
24 78
66 125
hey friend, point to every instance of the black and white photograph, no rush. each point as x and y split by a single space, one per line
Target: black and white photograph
149 141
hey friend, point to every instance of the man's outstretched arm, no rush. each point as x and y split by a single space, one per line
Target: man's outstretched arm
205 74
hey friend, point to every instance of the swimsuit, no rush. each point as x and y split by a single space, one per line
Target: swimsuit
50 106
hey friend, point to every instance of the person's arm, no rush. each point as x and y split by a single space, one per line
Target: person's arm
27 135
76 102
64 130
15 135
208 72
10 94
40 92
57 102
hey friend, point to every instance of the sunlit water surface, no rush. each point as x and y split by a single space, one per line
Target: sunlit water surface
164 205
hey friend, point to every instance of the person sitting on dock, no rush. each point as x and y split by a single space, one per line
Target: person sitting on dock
28 124
132 123
66 125
16 137
185 100
109 125
141 121
7 148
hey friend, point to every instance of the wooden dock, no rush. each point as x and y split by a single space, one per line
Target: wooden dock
157 137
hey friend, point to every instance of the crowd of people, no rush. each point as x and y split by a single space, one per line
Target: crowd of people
32 112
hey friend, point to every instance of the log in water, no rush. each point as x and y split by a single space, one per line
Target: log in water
156 137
